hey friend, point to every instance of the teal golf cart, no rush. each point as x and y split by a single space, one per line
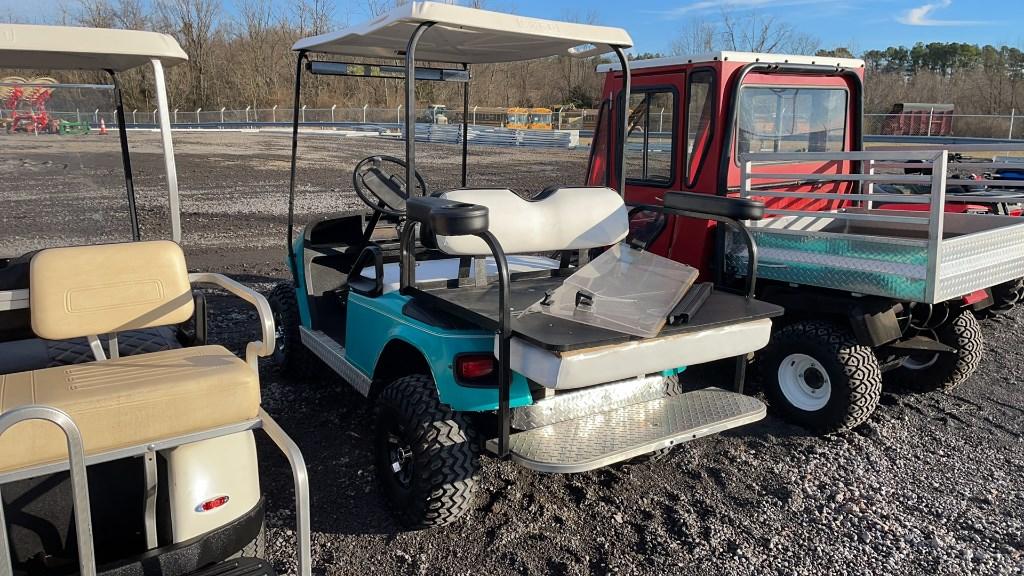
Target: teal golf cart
447 310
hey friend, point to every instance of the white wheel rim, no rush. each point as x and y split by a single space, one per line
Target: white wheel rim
804 382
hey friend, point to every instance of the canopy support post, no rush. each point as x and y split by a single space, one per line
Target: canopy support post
126 158
465 127
410 106
170 168
627 81
291 180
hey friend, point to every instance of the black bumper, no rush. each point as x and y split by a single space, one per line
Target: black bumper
203 555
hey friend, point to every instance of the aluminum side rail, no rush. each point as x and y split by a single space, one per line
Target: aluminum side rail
844 241
78 461
79 484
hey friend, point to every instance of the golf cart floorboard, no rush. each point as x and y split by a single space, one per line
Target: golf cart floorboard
598 440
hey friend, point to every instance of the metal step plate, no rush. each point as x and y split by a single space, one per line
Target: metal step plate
333 354
605 438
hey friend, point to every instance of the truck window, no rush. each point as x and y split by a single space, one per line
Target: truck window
791 119
699 114
650 141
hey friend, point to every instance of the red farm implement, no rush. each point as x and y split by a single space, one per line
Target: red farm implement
24 104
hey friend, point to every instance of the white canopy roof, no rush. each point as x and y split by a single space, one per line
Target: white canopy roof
466 36
743 57
72 48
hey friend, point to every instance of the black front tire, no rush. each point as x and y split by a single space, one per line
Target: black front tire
946 371
290 356
818 376
427 458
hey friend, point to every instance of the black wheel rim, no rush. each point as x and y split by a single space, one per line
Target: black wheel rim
280 344
399 455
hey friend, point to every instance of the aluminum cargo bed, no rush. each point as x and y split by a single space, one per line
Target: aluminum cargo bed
925 255
976 252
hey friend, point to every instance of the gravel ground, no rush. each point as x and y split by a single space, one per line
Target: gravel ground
933 484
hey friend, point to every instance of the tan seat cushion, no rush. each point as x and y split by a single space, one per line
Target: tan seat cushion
127 402
92 290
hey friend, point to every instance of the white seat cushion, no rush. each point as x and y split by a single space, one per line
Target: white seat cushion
591 366
559 219
448 269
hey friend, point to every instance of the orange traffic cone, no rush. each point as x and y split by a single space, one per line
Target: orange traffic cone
103 127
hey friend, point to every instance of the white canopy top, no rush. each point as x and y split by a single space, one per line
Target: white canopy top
466 36
72 48
742 57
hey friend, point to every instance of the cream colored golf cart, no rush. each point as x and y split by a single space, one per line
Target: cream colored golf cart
139 460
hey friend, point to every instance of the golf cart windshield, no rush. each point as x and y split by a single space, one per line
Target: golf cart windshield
64 179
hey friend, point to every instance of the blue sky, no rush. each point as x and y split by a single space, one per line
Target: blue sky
859 24
862 24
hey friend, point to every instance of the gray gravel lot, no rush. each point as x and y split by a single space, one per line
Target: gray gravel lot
933 484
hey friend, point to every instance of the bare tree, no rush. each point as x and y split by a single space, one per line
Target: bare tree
314 16
697 37
194 23
747 32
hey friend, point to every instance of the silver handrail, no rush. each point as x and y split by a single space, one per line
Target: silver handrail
79 484
301 479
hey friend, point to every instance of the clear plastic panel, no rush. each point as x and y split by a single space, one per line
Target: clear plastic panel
624 289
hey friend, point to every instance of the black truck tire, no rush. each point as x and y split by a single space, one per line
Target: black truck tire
817 375
290 356
945 371
1005 296
427 459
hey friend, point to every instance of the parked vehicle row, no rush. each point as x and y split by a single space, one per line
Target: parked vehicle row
478 323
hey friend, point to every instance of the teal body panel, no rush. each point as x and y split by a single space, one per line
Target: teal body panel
374 322
299 248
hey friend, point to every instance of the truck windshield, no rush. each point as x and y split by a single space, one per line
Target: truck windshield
781 119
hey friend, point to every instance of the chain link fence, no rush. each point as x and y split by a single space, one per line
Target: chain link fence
1008 126
280 115
1005 126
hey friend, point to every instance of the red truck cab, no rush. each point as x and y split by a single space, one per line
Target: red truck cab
692 115
861 281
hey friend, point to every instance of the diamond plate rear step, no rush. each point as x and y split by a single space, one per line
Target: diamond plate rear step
598 440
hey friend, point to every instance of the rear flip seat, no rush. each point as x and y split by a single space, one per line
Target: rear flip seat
90 291
128 401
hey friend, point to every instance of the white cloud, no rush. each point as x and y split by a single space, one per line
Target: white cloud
922 16
701 6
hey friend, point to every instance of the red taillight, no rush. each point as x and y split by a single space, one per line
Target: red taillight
212 504
474 367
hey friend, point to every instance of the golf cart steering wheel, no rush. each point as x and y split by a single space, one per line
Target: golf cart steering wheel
382 189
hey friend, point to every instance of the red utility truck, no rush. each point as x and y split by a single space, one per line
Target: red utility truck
879 285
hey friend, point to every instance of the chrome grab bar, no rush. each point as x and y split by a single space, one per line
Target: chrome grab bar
79 484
